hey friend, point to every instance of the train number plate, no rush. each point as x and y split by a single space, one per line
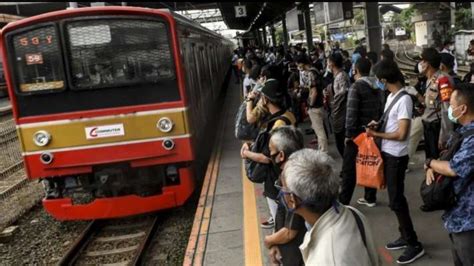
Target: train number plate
107 131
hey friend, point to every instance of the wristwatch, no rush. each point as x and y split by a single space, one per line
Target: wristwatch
428 162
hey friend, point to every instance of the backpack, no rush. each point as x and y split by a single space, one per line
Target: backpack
244 130
440 195
258 172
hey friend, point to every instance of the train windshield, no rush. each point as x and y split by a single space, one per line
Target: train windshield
90 63
118 52
38 61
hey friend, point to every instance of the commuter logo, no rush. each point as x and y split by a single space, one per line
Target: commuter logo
104 131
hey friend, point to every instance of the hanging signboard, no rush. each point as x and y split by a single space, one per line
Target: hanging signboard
294 20
240 11
332 12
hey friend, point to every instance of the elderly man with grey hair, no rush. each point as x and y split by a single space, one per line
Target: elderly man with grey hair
284 243
340 235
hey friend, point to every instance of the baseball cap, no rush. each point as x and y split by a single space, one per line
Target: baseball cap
271 89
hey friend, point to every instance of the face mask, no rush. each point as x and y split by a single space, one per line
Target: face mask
421 68
450 115
276 165
329 69
451 47
380 85
282 200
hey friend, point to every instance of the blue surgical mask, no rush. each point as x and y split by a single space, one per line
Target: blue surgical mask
380 85
281 197
450 115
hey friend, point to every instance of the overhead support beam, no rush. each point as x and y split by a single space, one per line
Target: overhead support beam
374 30
307 25
285 31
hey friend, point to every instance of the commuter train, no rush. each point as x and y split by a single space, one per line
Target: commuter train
110 103
3 85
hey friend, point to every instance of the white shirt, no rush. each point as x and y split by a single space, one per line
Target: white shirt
335 239
403 109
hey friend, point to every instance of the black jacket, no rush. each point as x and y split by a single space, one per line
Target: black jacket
364 104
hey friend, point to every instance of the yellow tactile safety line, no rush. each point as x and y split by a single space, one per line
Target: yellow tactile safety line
252 248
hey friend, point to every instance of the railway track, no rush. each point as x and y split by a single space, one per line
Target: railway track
12 175
7 131
407 62
112 242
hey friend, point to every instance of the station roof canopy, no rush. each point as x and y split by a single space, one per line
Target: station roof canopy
258 13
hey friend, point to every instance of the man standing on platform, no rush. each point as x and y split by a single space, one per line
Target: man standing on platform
340 235
436 124
459 220
364 104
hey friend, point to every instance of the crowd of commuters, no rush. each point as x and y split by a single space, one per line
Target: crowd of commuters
344 95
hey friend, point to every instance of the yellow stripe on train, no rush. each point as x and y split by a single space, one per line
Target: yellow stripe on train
101 130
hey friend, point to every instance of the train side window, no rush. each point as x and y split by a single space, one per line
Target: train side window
37 61
118 52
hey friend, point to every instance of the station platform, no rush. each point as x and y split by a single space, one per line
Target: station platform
227 230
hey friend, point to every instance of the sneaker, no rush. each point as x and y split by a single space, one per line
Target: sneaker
268 224
363 201
397 244
411 254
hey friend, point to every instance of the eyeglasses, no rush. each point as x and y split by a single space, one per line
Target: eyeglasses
282 189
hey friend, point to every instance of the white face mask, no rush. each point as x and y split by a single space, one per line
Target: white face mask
451 47
328 69
421 68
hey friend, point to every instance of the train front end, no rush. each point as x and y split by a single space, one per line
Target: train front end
98 97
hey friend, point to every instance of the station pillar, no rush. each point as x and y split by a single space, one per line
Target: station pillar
374 30
307 25
285 32
272 32
256 34
264 35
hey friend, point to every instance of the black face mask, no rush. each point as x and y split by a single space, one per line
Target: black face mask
276 165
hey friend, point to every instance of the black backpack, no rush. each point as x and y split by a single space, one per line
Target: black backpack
258 172
244 130
440 194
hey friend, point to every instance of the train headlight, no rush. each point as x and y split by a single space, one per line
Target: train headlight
168 144
41 138
165 124
46 157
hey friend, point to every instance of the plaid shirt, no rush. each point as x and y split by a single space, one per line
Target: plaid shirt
340 86
364 104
